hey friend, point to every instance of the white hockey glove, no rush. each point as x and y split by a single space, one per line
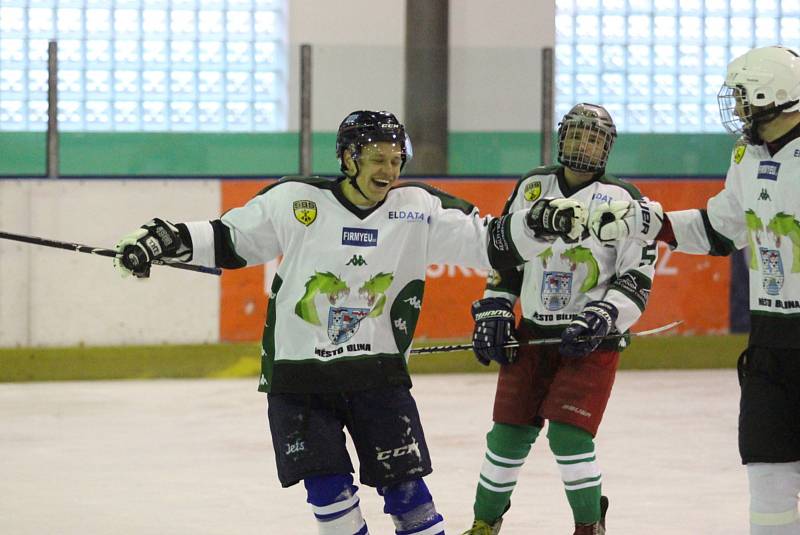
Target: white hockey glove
616 220
558 218
155 240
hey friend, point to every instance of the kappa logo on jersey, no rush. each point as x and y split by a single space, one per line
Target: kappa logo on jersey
356 261
414 302
768 170
360 237
764 196
414 217
738 153
305 211
533 191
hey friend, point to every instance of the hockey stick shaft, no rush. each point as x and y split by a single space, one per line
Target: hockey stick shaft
540 341
110 253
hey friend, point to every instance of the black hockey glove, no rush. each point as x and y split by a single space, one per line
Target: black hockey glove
155 240
494 328
558 218
587 330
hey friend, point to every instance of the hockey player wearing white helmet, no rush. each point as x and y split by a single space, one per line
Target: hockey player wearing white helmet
758 207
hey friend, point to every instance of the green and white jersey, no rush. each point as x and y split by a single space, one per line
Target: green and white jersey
348 292
560 278
759 207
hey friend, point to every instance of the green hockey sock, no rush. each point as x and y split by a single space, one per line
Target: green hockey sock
574 452
507 447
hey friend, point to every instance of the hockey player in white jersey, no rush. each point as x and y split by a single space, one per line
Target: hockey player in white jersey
573 287
342 311
758 208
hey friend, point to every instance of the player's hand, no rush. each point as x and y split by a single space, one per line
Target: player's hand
155 240
494 328
558 218
616 220
587 330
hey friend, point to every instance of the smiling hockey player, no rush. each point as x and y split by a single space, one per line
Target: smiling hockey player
342 311
758 207
573 287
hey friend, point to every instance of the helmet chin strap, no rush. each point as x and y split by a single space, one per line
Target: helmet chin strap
354 183
763 117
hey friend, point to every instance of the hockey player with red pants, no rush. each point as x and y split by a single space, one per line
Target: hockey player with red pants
575 288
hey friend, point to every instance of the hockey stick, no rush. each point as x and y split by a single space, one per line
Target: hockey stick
541 341
78 248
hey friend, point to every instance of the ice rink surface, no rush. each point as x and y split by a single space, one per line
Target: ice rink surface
193 457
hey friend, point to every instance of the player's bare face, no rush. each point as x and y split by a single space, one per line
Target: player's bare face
379 168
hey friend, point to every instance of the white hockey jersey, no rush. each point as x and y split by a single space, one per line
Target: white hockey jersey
347 295
560 278
759 207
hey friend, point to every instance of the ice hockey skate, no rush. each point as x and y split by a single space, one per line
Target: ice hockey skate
479 527
598 528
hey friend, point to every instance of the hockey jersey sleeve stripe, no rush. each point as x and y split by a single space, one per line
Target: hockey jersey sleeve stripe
506 281
503 253
635 286
720 245
224 251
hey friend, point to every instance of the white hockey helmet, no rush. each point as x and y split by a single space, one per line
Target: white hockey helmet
766 78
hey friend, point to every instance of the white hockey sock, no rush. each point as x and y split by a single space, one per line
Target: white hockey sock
773 498
340 518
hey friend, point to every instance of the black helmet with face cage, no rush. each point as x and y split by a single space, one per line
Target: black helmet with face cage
586 124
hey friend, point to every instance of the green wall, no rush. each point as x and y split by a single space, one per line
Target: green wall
470 153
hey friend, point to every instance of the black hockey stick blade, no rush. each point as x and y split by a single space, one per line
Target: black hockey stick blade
110 253
540 341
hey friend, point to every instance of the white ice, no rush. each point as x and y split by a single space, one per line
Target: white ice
193 457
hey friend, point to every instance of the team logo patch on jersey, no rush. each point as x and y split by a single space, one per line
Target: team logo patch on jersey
360 237
556 289
768 170
533 191
771 270
738 153
343 323
305 211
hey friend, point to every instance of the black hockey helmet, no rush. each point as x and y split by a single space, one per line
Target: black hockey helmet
363 127
581 122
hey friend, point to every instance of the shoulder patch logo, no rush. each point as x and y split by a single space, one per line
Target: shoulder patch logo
305 211
738 153
533 191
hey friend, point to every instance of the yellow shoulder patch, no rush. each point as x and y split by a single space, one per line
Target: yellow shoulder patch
533 191
738 153
305 211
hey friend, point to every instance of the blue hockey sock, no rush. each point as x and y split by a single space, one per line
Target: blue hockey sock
412 509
